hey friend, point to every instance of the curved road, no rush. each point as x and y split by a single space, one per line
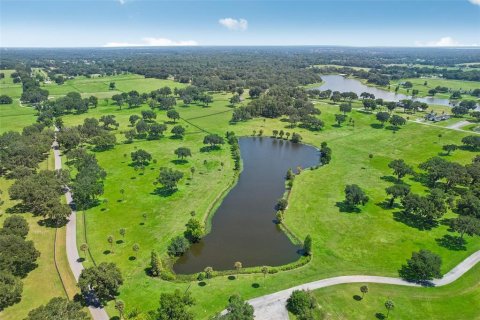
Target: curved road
272 306
71 241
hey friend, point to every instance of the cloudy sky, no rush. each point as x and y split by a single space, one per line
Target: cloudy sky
97 23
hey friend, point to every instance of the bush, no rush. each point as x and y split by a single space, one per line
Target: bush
178 246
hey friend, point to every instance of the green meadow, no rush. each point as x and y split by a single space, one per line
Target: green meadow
373 241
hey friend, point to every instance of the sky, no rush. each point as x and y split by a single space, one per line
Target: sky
112 23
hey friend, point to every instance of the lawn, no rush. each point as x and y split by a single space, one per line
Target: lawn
419 84
15 117
459 300
7 86
369 242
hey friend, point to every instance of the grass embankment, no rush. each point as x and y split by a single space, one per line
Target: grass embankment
43 283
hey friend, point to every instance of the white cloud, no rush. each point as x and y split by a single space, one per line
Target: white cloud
477 2
153 42
234 24
444 42
122 1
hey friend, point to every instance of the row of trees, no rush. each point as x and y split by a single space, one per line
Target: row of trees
17 258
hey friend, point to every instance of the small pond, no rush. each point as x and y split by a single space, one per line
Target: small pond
243 227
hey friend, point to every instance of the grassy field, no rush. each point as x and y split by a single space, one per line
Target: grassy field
371 242
15 117
459 300
43 283
7 86
418 83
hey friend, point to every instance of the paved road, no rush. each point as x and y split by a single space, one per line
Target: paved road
272 306
71 241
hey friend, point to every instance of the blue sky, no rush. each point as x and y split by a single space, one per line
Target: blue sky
95 23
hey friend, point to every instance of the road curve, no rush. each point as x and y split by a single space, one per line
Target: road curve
272 306
71 241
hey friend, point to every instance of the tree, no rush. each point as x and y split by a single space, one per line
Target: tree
120 306
192 171
122 232
468 205
345 107
178 131
213 140
4 99
296 138
238 266
383 117
156 130
208 272
17 256
173 114
174 306
135 248
397 191
195 230
133 119
472 142
389 305
110 240
363 290
307 245
11 289
301 303
281 205
422 266
400 168
112 86
16 225
449 148
397 120
155 264
84 248
183 152
264 270
237 309
325 154
235 99
102 282
58 309
354 196
148 115
178 246
255 92
340 118
140 158
466 225
169 178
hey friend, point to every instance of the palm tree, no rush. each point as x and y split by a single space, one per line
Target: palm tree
363 290
120 306
84 248
122 232
238 267
135 249
192 170
122 192
264 271
110 240
389 305
208 272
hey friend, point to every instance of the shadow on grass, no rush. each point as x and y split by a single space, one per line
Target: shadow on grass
454 243
390 179
209 148
231 277
202 284
357 297
377 126
380 316
179 161
163 192
107 252
414 221
132 258
119 241
347 208
255 285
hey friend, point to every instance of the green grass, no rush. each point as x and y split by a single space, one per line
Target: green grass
418 83
7 86
371 242
459 300
15 117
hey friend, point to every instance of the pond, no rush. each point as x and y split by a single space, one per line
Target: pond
342 84
243 227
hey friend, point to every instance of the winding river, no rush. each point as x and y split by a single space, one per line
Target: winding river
342 84
243 227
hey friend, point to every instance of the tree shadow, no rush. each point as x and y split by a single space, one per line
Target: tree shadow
179 161
231 278
163 192
344 207
202 284
450 242
106 252
414 221
81 259
392 128
377 126
132 258
390 179
255 285
380 316
119 241
209 148
356 297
